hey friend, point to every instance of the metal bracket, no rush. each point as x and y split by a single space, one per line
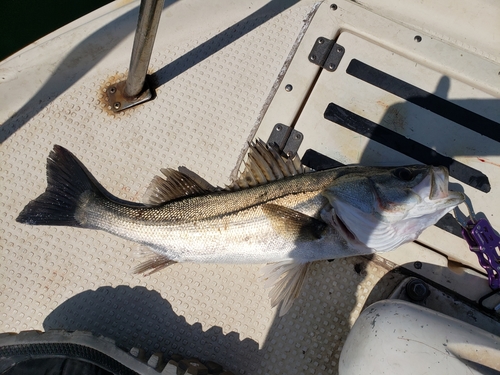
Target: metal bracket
326 53
286 138
119 101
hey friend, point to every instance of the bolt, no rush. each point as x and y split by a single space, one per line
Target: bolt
417 290
117 105
288 88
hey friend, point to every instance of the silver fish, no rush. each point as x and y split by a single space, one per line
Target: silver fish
277 212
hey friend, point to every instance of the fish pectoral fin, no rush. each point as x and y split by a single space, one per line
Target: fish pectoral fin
177 184
286 279
155 262
288 222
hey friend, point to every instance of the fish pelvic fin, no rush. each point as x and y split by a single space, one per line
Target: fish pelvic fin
67 180
286 279
155 262
294 224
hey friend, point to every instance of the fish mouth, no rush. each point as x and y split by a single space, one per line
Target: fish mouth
344 229
434 187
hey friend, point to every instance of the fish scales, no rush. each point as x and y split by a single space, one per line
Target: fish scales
277 212
222 235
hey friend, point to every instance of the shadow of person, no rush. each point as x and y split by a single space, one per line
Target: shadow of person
313 331
432 129
397 114
138 317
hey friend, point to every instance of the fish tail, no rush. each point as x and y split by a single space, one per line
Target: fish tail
67 180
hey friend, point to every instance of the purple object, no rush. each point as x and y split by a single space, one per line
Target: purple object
483 240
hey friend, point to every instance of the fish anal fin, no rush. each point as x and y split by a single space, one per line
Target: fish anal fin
289 222
175 185
155 262
286 279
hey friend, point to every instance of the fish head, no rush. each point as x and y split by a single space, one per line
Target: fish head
382 208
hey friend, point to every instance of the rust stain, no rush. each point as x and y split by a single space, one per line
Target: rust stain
489 162
102 96
382 104
114 79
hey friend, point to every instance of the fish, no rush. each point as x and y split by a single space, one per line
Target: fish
277 212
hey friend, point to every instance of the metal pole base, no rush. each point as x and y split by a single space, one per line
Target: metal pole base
119 101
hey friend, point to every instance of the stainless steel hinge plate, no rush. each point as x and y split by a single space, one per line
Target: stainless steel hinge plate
326 53
286 138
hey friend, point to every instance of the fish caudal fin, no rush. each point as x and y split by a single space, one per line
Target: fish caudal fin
67 180
286 279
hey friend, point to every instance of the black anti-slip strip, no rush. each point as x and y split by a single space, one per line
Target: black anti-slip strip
424 99
319 162
409 147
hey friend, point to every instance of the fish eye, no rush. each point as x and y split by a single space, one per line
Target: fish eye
404 174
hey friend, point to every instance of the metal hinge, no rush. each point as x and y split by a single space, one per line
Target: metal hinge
286 138
326 53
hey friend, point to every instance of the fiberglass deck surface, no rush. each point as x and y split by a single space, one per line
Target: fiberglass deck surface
213 84
218 69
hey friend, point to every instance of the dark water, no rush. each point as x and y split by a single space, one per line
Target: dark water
24 21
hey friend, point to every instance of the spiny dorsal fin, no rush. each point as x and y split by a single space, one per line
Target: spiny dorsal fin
286 279
176 185
265 164
204 184
298 226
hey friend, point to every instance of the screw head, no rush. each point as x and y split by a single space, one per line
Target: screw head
321 41
417 38
417 290
312 57
278 128
117 105
288 88
333 7
112 90
331 66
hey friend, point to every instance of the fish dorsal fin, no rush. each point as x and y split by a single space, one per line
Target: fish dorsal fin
286 279
176 185
265 164
294 224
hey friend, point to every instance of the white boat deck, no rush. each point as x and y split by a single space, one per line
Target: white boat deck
220 70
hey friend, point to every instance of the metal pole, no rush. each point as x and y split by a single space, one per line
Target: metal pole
149 18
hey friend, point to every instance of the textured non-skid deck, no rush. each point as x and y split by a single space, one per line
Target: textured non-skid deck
215 77
213 86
